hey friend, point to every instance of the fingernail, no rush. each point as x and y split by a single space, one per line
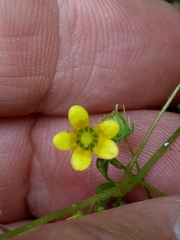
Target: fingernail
177 227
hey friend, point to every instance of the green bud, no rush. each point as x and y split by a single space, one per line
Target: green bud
126 126
100 209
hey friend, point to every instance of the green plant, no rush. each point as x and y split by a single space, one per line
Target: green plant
111 192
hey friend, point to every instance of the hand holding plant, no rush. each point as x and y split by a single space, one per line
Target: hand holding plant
85 139
57 54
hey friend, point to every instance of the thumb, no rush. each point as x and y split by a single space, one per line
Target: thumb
150 219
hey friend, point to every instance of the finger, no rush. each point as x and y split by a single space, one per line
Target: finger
36 178
15 159
143 220
54 184
29 46
118 53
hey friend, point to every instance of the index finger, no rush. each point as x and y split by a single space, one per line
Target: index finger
52 56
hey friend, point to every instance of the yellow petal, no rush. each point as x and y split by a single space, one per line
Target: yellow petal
81 159
106 148
108 128
78 117
64 140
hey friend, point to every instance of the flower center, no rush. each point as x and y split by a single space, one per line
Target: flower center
86 138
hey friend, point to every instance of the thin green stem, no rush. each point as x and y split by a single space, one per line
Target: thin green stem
107 193
152 189
129 147
137 167
119 165
90 210
133 181
134 160
127 184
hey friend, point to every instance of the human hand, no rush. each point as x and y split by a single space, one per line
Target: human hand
95 55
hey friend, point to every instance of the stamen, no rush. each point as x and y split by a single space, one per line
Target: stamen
86 129
86 138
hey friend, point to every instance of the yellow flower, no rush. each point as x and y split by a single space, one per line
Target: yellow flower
85 139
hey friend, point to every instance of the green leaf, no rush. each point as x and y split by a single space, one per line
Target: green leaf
126 126
100 208
119 202
102 165
117 164
104 186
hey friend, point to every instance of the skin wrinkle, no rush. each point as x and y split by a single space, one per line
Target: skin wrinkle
60 193
139 229
70 19
41 53
16 164
99 65
86 229
113 36
42 180
137 226
84 40
145 221
55 166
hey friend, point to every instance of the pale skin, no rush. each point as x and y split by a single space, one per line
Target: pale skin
57 53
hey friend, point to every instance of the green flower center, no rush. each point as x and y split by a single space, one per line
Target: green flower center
86 138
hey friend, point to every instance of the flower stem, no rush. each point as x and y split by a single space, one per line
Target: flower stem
133 181
53 216
138 169
119 165
127 184
134 160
